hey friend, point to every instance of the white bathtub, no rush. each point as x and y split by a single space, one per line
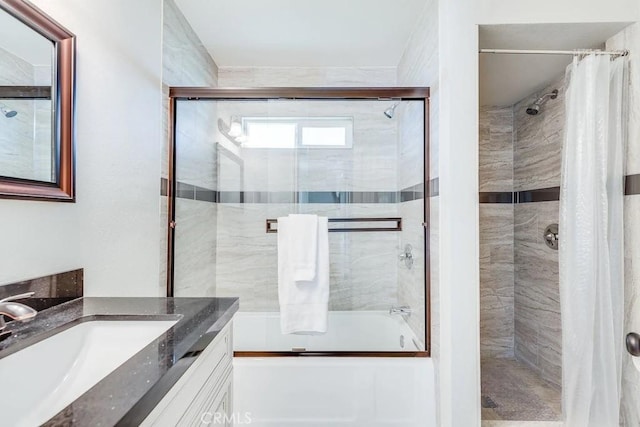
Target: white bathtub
346 331
332 391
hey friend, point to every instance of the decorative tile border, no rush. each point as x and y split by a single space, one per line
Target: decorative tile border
192 192
434 187
496 197
552 194
632 185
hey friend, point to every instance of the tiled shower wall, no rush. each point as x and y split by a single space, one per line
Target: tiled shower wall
364 266
411 285
25 139
537 164
250 257
496 233
418 66
186 62
519 282
630 405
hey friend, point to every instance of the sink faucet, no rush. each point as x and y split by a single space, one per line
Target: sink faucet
404 310
15 310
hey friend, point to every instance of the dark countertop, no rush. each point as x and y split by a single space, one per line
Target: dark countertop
128 394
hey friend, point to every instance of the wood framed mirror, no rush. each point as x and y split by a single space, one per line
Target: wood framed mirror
37 73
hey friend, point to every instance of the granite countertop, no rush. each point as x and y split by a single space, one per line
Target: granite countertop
128 394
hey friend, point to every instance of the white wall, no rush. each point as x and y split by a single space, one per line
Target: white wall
458 73
113 229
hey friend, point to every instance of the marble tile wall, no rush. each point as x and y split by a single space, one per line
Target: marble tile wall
306 76
195 255
496 233
538 332
25 139
537 162
186 62
364 266
418 66
496 280
629 38
369 165
411 286
519 283
496 149
537 157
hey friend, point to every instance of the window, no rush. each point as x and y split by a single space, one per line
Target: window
294 132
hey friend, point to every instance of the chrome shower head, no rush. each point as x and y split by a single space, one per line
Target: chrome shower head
6 112
389 112
534 108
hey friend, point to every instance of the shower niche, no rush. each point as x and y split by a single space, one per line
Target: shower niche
243 158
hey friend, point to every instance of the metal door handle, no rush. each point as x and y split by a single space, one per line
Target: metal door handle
633 344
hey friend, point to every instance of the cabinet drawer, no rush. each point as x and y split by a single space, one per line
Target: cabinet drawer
213 404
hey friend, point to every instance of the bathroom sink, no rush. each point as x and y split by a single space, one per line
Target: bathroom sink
44 378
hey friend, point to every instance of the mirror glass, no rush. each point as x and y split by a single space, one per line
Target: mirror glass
27 148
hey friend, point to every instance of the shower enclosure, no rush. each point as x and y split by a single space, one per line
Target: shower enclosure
241 158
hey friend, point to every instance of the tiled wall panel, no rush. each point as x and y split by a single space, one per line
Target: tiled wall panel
186 63
630 405
25 139
496 233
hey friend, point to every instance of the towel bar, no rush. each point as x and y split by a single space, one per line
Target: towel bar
396 227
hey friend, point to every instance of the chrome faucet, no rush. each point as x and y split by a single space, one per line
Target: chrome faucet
403 310
15 310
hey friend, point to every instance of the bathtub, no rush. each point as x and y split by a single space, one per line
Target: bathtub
346 331
332 391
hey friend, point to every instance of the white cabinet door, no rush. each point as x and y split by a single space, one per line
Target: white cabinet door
201 389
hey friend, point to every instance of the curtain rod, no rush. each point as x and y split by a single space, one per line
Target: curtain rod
556 52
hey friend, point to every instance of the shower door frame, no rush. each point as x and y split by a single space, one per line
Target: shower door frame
304 93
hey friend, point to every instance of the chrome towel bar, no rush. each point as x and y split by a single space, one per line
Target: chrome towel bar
396 227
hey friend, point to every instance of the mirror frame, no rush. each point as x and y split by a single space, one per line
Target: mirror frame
63 100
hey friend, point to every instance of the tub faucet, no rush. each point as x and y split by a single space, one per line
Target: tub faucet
15 310
403 310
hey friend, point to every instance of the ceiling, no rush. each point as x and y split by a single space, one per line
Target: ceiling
309 33
23 42
507 79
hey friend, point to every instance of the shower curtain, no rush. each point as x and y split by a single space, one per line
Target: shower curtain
591 242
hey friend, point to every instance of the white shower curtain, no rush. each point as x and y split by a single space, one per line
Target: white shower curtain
591 242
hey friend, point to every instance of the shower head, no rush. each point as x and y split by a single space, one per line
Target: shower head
534 108
6 112
389 112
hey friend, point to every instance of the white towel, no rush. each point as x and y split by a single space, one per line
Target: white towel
303 304
303 235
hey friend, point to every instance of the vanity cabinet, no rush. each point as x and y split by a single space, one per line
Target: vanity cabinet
203 395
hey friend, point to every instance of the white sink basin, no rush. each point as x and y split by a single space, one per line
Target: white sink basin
45 377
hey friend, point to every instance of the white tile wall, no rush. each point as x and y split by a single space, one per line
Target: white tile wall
186 62
25 139
418 66
363 266
370 165
306 77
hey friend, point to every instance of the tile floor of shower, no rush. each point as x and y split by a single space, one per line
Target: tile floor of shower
514 395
